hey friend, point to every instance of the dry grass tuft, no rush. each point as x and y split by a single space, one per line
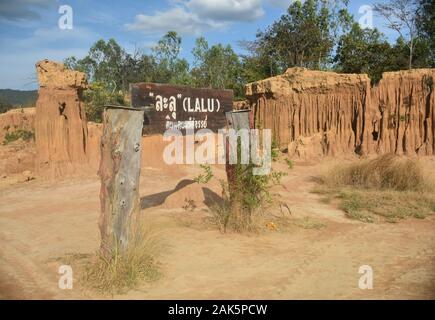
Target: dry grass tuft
386 188
384 172
124 270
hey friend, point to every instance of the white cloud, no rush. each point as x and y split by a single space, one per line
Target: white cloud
227 10
193 17
176 19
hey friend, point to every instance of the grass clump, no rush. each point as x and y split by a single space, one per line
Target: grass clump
384 172
290 163
244 200
206 176
122 271
25 135
387 188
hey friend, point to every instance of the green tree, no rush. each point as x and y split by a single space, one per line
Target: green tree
217 67
401 16
304 36
170 68
426 27
260 63
399 56
4 107
363 51
109 64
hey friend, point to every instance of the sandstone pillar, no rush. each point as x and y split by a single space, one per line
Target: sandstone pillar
60 123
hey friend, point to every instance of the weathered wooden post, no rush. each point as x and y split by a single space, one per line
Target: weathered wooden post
119 172
237 120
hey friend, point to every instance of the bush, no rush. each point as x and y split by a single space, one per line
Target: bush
244 201
96 97
290 163
25 135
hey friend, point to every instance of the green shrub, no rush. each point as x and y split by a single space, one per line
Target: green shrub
290 163
96 97
243 201
25 135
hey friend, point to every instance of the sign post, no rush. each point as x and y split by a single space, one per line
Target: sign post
119 172
180 107
237 120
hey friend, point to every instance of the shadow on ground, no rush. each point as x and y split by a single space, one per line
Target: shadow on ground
157 199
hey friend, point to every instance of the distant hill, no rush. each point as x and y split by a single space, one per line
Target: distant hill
10 99
18 97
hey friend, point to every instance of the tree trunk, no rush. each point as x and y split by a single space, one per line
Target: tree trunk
241 119
119 172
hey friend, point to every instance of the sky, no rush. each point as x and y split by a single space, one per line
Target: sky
30 29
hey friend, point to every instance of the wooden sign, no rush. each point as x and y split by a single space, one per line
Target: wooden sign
180 107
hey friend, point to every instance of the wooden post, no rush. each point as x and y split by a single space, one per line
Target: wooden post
119 172
240 119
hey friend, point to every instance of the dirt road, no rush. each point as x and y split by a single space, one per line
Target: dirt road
41 223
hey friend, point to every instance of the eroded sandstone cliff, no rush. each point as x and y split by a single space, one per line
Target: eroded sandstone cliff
17 119
405 101
315 113
60 124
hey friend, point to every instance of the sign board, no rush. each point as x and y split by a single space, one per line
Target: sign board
180 107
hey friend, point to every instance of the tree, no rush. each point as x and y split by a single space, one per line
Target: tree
426 26
363 51
4 107
304 36
109 64
217 67
260 63
399 56
401 16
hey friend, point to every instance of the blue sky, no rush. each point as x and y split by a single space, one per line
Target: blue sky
29 29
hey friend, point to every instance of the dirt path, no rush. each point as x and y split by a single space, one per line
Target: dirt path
41 223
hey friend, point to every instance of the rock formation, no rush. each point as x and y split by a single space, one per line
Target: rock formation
60 125
17 156
315 113
405 101
17 119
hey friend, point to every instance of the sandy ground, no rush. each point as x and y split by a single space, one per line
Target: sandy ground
41 222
